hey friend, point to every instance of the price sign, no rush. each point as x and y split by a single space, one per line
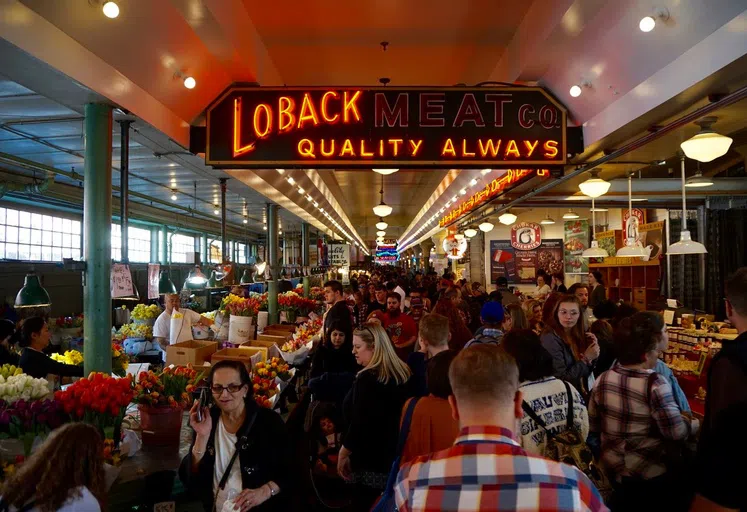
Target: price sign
154 271
121 281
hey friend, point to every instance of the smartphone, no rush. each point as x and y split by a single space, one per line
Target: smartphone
203 403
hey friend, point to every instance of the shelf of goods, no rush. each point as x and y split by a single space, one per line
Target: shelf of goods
636 282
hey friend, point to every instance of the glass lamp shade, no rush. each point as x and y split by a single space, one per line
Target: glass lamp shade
594 251
507 218
246 277
470 232
706 146
486 227
594 187
381 233
632 250
165 284
382 209
458 236
547 220
213 281
698 180
195 280
687 245
381 225
570 215
385 172
32 294
261 266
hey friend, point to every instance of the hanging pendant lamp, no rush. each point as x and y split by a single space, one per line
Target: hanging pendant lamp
594 251
698 180
686 245
570 214
707 145
470 232
594 186
32 294
507 218
382 209
381 224
632 248
547 220
165 284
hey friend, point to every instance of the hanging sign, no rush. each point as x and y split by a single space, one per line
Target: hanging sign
509 179
454 248
339 255
333 127
121 281
631 223
154 274
526 236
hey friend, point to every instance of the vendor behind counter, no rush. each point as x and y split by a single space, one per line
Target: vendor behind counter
182 325
36 363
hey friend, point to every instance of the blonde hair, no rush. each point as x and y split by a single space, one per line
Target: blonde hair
385 362
529 307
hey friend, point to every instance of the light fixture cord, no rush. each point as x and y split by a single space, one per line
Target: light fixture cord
684 204
630 200
593 220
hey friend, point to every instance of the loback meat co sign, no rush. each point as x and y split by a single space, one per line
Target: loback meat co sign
259 127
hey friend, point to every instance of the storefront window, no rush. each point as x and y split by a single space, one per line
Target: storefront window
242 250
138 246
181 246
37 237
214 251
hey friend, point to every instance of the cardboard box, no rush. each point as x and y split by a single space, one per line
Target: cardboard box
234 354
260 343
272 338
194 352
254 350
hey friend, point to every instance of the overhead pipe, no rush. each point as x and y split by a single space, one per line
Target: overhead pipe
720 103
37 187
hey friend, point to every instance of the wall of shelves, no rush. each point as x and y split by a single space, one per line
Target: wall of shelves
633 282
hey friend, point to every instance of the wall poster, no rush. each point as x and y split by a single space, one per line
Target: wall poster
576 242
520 267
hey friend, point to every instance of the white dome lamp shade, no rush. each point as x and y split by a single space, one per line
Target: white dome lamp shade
594 186
547 220
570 215
470 232
594 251
707 145
381 224
381 233
632 248
686 245
698 180
385 172
382 209
507 218
458 236
486 227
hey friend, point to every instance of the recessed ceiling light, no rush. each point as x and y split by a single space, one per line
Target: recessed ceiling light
111 10
575 91
463 191
647 24
473 182
301 191
290 180
190 82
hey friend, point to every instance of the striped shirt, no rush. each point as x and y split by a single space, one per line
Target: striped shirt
486 469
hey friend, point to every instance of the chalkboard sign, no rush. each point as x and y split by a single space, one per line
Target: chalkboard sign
121 281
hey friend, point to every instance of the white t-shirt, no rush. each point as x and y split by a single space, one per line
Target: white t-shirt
540 292
162 327
85 502
547 398
225 446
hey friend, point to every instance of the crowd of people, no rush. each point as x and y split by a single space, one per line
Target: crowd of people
482 400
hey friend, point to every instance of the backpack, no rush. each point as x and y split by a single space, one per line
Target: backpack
481 339
570 448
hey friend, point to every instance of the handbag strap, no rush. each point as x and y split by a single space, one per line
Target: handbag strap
569 414
239 439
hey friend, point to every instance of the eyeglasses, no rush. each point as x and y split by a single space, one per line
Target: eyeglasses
231 388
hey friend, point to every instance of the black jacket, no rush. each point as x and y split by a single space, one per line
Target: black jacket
7 356
266 456
339 314
39 365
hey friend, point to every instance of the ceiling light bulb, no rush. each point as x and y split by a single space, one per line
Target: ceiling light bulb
264 227
458 236
173 195
381 225
463 192
453 199
308 198
111 10
316 205
215 209
301 191
280 171
473 182
470 232
190 82
486 227
385 172
647 24
290 180
382 209
507 218
594 186
486 171
547 220
707 145
575 91
570 214
698 180
246 221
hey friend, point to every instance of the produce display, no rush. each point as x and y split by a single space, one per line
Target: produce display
143 312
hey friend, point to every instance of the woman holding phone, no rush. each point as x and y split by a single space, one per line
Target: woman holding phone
258 476
573 352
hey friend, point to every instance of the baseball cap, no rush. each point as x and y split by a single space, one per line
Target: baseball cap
492 313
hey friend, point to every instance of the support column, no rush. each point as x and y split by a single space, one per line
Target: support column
154 245
223 237
164 241
305 258
426 246
124 186
204 248
97 239
272 262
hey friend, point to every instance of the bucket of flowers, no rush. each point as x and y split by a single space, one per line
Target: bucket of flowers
72 357
145 315
27 423
162 398
242 312
288 304
264 387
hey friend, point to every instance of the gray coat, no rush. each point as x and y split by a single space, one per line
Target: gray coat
564 365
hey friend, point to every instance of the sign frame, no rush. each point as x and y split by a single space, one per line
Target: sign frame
243 89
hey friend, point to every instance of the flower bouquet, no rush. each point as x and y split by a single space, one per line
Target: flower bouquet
265 390
262 298
317 294
8 370
242 312
296 350
162 398
288 303
72 357
120 361
134 330
22 387
69 322
28 420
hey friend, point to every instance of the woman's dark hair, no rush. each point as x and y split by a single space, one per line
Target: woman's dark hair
32 325
605 310
603 331
337 326
624 311
437 375
518 317
598 276
533 360
637 336
244 377
549 306
68 459
7 328
559 277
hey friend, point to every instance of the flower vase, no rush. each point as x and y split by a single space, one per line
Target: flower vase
162 426
290 316
28 443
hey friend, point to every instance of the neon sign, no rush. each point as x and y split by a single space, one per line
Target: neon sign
511 178
260 127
